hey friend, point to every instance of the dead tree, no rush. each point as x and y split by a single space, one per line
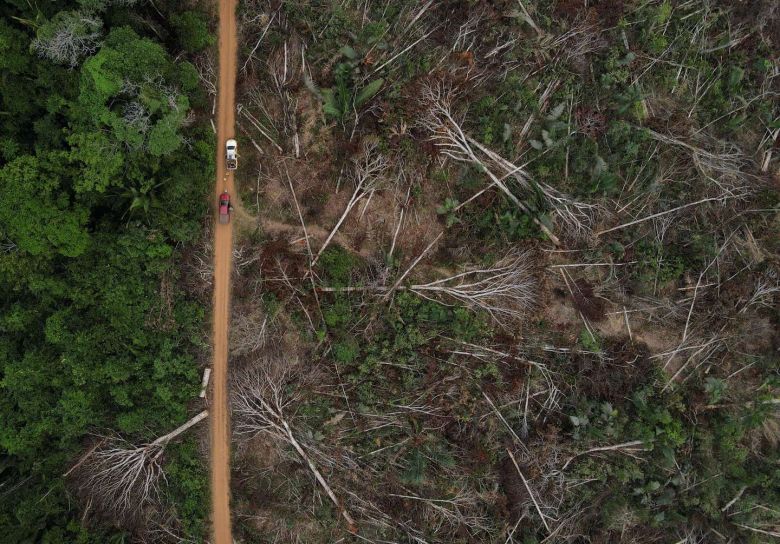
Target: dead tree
462 509
505 291
721 164
285 67
68 37
137 117
259 403
448 135
257 18
766 288
205 64
573 46
120 481
198 264
724 171
545 392
367 171
273 111
408 30
249 331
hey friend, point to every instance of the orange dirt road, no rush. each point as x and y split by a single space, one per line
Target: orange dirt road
223 254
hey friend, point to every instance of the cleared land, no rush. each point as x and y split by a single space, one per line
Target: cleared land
505 272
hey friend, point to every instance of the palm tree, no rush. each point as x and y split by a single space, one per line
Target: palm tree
141 200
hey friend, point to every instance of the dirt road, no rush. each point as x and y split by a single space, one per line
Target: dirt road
223 253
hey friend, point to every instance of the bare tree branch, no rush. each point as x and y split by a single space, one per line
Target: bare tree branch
121 480
368 170
259 401
68 37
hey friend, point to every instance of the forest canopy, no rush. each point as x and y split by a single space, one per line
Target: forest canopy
104 171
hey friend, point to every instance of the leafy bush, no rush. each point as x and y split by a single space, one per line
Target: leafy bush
192 31
338 264
341 100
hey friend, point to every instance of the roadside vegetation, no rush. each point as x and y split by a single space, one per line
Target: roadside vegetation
106 159
506 272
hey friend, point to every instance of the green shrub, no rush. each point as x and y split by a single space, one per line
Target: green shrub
346 350
344 97
338 314
192 31
338 265
589 341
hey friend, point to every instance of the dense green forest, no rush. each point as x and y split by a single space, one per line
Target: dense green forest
104 172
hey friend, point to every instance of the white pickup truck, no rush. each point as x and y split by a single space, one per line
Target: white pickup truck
231 154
